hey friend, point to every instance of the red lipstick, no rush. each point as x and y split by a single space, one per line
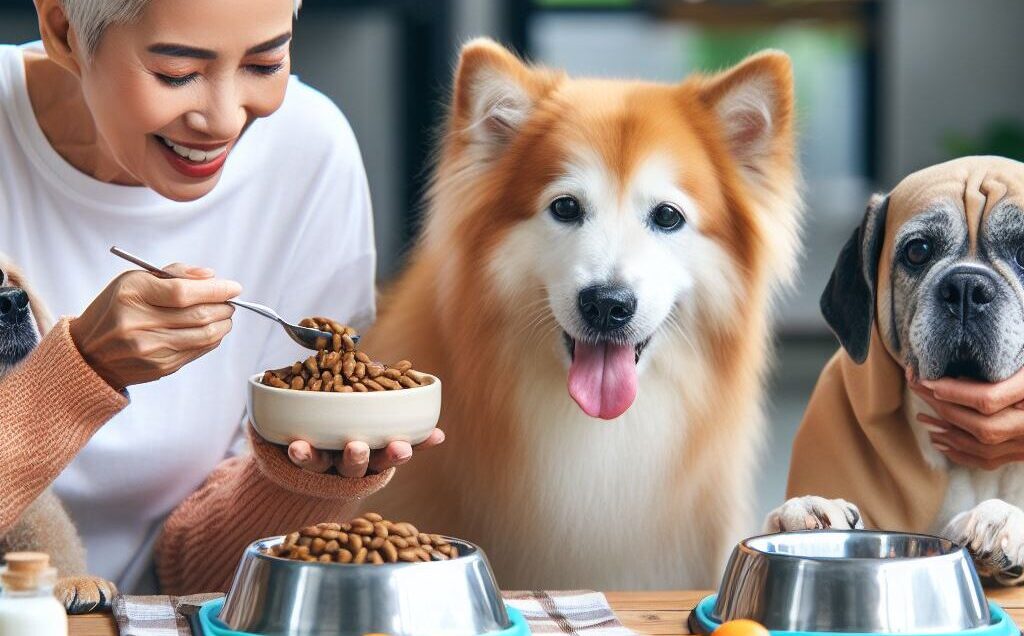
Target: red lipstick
191 168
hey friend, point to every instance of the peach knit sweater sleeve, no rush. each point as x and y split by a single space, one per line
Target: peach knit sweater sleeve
50 405
247 498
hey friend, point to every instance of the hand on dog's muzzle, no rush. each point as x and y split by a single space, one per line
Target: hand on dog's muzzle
979 424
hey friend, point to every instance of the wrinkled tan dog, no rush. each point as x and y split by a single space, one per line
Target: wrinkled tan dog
931 285
44 526
593 288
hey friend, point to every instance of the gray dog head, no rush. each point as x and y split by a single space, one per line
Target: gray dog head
937 265
19 334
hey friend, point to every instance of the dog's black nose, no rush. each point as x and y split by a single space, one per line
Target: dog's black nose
966 293
13 303
607 307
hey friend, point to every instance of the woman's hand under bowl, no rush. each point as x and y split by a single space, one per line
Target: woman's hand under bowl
357 459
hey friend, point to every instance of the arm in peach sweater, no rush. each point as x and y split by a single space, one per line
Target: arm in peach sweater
50 405
247 498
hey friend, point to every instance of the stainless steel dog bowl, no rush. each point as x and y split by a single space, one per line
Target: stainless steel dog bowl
273 596
852 581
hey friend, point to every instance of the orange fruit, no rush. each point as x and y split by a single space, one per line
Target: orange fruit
740 627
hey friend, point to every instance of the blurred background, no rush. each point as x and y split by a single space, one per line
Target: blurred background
884 87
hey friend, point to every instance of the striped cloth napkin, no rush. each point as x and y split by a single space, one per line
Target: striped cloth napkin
157 615
579 612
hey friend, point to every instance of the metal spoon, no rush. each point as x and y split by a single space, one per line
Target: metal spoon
305 336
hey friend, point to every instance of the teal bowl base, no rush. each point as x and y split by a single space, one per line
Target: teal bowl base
209 612
701 622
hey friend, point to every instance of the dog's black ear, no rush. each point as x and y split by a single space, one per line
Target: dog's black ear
848 302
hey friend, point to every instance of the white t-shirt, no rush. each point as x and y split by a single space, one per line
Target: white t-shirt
290 220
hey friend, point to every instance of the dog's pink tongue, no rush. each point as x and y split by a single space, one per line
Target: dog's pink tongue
602 378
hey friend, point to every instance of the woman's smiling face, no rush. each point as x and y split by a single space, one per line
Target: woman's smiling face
171 92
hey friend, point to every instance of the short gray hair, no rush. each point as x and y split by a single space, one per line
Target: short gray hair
90 18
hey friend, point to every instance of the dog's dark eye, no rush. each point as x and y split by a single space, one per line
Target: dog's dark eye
667 217
918 252
566 209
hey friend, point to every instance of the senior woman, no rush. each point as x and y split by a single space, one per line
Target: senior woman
175 130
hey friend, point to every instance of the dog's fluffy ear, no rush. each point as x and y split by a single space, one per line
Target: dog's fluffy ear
494 94
848 302
751 110
754 103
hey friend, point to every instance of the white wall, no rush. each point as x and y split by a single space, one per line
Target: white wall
475 18
18 25
951 66
352 58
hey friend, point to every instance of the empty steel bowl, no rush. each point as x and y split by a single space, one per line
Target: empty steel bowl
274 596
853 581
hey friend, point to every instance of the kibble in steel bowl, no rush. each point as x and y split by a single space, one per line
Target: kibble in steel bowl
368 539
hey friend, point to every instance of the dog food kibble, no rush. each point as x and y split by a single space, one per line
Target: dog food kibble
368 539
340 368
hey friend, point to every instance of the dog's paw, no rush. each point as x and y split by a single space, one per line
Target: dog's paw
993 532
814 513
84 594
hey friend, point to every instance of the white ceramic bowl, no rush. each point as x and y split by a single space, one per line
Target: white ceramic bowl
332 420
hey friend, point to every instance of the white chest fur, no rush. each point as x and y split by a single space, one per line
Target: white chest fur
967 486
650 516
655 499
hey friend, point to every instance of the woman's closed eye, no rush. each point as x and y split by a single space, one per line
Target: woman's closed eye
262 70
177 80
265 69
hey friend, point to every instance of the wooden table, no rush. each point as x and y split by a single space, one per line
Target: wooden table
661 613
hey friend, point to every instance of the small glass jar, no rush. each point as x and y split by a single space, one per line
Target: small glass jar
27 603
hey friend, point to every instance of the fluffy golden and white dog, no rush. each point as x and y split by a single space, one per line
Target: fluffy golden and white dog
597 250
44 526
